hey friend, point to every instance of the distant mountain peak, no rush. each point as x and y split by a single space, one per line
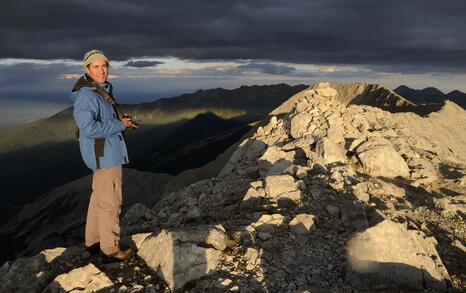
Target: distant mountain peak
433 90
403 87
431 95
456 92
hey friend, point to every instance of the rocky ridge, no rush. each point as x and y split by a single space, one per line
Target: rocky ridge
330 194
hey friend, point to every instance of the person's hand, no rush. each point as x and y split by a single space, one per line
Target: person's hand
127 121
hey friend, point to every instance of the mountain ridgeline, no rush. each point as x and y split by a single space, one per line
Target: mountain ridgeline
431 95
173 137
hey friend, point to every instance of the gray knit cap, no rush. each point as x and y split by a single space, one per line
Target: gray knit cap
93 55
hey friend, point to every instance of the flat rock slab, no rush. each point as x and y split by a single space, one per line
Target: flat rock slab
185 254
388 256
379 158
84 279
279 184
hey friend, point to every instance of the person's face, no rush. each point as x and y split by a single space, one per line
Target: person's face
98 70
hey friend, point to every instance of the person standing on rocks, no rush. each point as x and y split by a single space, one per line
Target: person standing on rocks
103 150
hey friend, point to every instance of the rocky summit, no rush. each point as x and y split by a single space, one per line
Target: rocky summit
344 188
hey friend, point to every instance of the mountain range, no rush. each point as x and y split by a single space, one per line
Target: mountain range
431 95
176 134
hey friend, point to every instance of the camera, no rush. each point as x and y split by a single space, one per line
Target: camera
133 125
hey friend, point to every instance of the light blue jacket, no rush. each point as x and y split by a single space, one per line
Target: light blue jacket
98 125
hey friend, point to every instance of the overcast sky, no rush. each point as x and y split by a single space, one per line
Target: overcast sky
165 48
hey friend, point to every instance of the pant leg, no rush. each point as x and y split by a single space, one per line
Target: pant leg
107 188
92 234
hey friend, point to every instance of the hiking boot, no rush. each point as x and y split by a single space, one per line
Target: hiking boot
93 249
120 255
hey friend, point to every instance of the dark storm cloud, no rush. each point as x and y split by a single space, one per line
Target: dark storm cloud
35 81
269 68
416 32
143 63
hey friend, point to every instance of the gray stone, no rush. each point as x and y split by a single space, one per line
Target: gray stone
318 193
330 151
326 92
194 213
355 142
274 160
301 172
377 187
182 255
300 143
422 171
138 239
278 184
267 223
281 167
264 235
289 199
274 153
333 210
299 124
29 274
336 133
251 194
84 279
254 148
379 158
252 257
302 223
360 191
452 206
388 256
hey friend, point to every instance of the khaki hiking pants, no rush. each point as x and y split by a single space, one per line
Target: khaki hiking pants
103 223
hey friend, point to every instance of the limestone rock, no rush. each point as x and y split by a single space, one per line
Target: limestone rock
330 151
278 184
85 279
452 206
333 210
182 255
273 154
326 91
251 199
138 239
274 160
301 172
289 199
267 223
302 223
29 274
280 167
300 124
354 143
336 133
249 150
422 170
379 158
388 256
376 187
252 257
193 213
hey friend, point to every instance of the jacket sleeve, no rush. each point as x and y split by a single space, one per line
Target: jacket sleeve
86 111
